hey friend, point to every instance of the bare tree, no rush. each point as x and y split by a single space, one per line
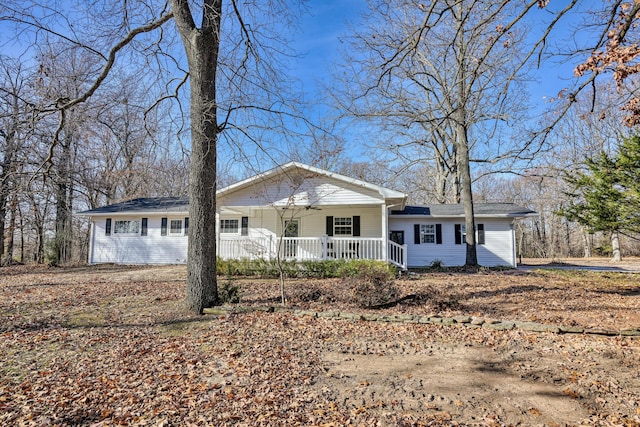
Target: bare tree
233 57
446 77
15 125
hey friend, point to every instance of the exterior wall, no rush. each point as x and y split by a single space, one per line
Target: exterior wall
314 191
498 249
136 249
264 223
267 222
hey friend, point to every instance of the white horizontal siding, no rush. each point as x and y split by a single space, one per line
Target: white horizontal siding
126 249
498 249
268 222
315 191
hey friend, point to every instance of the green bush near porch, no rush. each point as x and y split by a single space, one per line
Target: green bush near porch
268 268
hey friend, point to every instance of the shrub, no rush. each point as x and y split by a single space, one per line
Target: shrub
268 268
229 292
320 269
437 264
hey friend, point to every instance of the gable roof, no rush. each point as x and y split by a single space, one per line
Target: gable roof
143 205
181 204
457 210
385 193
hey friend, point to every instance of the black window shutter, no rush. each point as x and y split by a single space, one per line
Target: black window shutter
480 234
439 234
163 227
186 226
356 226
244 231
107 227
329 226
416 234
458 230
145 223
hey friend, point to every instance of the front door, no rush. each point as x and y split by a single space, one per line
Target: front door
397 237
291 228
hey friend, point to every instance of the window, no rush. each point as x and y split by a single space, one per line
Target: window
175 226
461 234
427 233
228 226
342 226
127 227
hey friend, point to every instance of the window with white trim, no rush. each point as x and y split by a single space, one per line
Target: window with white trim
461 234
342 226
175 227
427 233
131 227
229 226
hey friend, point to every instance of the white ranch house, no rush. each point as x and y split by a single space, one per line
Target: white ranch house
300 212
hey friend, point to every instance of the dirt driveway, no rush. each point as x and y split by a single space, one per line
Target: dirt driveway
628 264
111 345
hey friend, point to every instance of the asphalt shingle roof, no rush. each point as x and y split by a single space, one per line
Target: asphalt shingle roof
143 204
498 209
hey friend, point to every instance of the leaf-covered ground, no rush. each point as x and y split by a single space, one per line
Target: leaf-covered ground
112 346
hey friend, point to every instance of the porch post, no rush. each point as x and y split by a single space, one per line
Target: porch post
271 248
217 219
385 233
324 246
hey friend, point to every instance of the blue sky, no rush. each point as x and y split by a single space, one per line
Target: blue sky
318 41
319 44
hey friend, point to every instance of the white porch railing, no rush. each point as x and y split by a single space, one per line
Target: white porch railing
397 254
312 248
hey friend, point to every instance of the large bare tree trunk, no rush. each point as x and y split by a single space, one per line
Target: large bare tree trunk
202 46
467 198
63 207
462 141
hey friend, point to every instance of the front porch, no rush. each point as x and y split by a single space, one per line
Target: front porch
312 248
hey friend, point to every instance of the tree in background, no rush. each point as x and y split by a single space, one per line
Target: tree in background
606 194
231 58
13 125
444 83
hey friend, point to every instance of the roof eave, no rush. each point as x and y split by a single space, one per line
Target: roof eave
510 215
129 212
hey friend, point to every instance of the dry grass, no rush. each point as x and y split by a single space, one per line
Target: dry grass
112 345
